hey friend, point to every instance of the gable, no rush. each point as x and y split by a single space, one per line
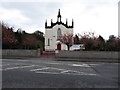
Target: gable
59 23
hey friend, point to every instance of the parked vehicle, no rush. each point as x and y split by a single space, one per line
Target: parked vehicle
77 47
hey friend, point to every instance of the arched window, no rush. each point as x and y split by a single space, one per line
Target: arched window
59 33
48 42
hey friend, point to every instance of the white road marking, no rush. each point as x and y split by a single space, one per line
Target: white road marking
19 67
62 71
68 71
65 71
47 68
80 65
39 69
57 68
47 72
22 60
89 74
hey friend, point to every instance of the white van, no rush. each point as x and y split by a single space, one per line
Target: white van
77 47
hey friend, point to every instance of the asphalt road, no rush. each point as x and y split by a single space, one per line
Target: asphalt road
49 73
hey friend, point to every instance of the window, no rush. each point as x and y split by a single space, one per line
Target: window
59 33
48 42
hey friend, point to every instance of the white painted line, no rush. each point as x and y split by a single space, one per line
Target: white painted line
65 71
56 68
47 68
47 72
39 69
22 60
80 65
80 73
87 74
75 72
19 67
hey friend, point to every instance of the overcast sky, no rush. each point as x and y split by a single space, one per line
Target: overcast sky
99 16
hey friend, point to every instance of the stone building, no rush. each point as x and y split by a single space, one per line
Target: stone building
55 31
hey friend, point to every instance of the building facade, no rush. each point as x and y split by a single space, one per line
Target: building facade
55 31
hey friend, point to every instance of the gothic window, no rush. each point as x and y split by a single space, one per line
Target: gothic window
48 42
59 33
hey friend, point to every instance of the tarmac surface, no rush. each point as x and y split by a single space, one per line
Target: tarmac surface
51 73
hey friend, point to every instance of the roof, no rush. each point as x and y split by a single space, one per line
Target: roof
58 23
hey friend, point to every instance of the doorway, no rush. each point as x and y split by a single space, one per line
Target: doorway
59 46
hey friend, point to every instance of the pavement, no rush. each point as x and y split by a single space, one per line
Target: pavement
52 73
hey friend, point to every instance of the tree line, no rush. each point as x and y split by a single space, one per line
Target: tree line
98 43
20 39
92 42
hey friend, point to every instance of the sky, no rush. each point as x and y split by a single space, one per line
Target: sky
98 16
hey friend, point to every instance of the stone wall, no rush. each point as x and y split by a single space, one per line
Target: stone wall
21 53
87 54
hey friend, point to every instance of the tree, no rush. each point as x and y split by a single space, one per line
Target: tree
76 39
20 35
8 37
40 39
89 39
29 42
101 43
39 35
20 39
68 40
118 44
112 37
112 43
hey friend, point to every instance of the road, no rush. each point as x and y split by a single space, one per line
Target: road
49 73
